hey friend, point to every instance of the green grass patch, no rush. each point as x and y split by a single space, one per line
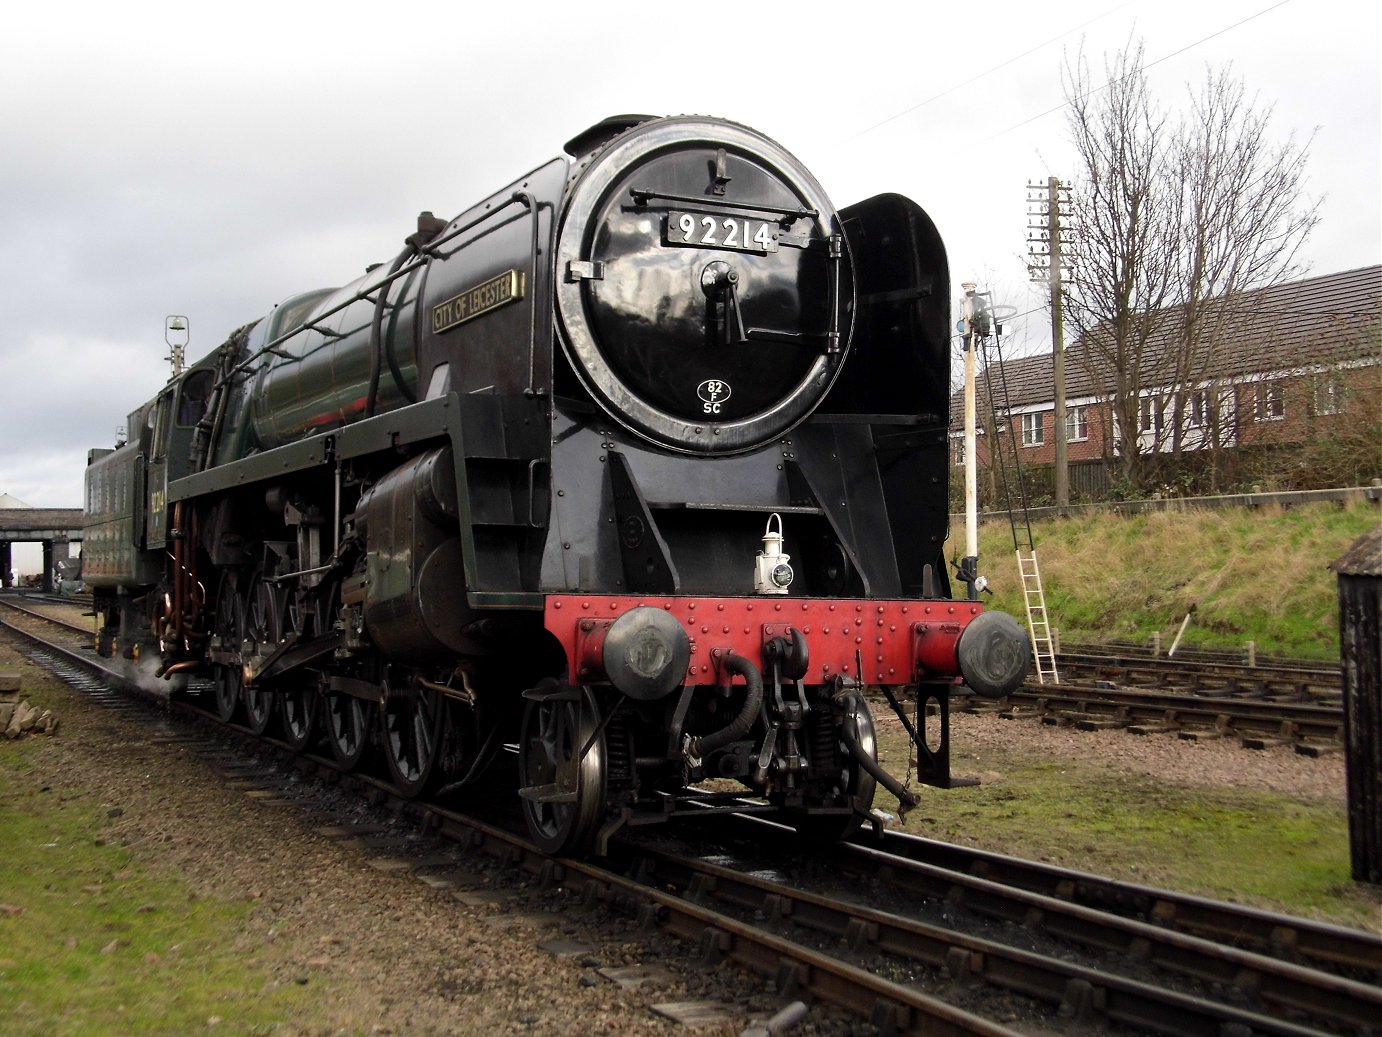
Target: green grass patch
95 941
1229 844
1258 575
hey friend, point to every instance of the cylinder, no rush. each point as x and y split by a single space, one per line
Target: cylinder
415 600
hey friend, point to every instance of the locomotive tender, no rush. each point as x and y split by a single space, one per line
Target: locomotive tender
635 472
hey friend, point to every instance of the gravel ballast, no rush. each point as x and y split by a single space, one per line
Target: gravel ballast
391 954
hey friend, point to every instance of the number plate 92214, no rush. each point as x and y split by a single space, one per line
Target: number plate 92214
739 233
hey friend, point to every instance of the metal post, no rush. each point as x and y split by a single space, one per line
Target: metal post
970 565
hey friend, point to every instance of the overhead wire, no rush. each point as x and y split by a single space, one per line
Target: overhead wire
1032 50
1142 68
982 75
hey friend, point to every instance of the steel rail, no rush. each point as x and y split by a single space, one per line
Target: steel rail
1080 992
893 1007
1279 985
1150 712
64 624
1352 952
1207 677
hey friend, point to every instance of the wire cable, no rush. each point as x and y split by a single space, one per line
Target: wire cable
981 75
1140 68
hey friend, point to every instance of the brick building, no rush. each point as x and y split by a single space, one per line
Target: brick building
1287 370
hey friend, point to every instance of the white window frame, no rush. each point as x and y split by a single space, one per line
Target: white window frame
1076 425
1148 415
1201 409
1034 429
1328 396
1268 403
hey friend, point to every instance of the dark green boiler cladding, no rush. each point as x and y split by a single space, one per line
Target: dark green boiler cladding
639 467
320 378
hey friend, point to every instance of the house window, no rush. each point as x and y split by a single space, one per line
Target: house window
1328 396
1076 425
1149 414
1199 409
1033 429
959 451
1268 404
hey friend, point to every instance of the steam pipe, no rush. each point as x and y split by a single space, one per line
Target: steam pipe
178 606
376 332
732 663
906 799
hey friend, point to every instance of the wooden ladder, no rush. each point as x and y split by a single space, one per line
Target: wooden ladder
1043 648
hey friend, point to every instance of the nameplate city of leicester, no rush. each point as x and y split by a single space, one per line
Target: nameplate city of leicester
477 301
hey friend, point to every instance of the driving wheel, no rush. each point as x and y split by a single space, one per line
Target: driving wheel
229 628
412 729
347 727
263 630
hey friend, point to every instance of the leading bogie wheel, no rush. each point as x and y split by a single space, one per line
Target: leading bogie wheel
561 766
854 781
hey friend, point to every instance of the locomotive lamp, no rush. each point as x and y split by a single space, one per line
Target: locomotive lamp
772 574
175 333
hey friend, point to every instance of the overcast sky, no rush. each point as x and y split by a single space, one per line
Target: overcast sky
210 160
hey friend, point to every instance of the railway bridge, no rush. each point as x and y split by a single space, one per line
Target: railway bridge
55 528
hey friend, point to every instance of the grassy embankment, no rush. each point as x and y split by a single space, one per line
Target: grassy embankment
1259 576
97 938
1282 853
1252 575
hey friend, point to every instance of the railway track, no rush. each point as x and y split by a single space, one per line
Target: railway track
1212 675
1111 955
1197 696
1312 729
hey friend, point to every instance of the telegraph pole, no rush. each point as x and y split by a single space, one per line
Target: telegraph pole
1044 242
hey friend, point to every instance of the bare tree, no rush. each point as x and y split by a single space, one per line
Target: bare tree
1121 257
1173 225
1245 216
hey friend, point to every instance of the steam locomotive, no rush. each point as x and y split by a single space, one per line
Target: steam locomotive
633 476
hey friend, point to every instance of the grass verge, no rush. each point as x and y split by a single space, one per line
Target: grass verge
96 938
1257 575
1241 845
